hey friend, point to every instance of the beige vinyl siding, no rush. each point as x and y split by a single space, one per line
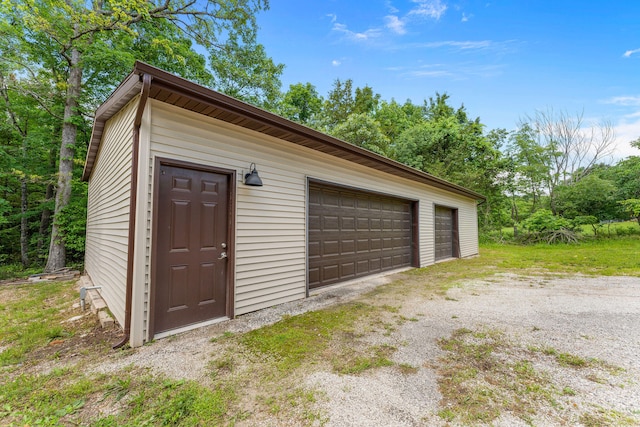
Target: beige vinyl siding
108 211
270 250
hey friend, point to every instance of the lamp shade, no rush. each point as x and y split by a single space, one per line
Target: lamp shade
252 178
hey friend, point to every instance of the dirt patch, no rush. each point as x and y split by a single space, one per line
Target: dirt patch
91 340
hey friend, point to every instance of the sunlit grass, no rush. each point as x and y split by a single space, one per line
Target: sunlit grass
31 315
605 257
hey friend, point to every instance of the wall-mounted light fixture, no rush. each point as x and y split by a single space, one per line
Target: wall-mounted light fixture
252 178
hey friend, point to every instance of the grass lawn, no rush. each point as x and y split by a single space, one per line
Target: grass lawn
604 257
257 373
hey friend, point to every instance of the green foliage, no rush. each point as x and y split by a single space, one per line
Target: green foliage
243 70
543 220
61 59
449 145
301 103
395 118
591 196
338 104
362 130
632 206
72 221
544 227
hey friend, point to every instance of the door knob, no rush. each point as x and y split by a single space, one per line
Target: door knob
223 255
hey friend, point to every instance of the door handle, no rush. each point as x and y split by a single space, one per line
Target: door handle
223 255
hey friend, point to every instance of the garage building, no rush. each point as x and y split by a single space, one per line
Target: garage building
202 208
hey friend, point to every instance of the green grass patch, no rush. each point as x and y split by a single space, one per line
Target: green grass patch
484 375
30 317
357 362
478 385
606 257
17 271
296 339
45 399
606 417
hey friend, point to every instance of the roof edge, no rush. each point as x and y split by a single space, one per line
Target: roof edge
131 86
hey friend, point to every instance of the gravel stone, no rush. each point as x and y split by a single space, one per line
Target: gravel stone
590 317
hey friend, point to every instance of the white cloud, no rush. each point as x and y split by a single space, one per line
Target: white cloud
627 129
429 9
449 71
333 17
624 100
355 36
395 24
465 17
428 73
392 8
336 63
463 45
628 53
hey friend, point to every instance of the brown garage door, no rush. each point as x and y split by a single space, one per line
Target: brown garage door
446 233
354 233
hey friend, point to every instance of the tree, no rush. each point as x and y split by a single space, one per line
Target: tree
395 118
362 130
76 41
339 104
591 196
626 176
244 71
365 101
451 146
530 164
301 103
573 148
632 207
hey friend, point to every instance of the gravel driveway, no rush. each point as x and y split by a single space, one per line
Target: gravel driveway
588 317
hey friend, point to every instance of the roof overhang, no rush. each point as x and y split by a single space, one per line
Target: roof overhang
174 90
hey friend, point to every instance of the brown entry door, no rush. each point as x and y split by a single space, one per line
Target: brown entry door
191 238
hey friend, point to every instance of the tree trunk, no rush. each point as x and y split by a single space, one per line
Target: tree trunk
57 251
45 219
24 224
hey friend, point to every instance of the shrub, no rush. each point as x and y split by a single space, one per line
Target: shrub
545 227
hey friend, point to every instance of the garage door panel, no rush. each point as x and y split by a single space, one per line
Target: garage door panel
444 232
330 248
348 247
347 270
353 233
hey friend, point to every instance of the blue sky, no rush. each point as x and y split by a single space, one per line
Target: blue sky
502 59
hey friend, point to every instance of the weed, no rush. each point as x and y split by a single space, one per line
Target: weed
225 335
391 308
478 385
567 359
118 388
374 357
407 369
604 418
